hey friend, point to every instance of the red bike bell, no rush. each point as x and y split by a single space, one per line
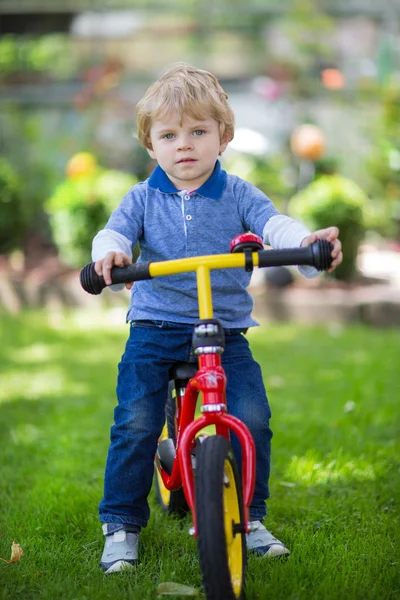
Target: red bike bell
246 241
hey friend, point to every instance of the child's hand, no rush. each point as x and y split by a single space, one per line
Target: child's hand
103 267
330 234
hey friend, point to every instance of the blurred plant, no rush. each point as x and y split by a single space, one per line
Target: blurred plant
308 26
268 174
384 167
305 29
52 54
12 217
334 200
36 143
81 205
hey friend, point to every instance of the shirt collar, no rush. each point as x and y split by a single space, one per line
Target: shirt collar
212 188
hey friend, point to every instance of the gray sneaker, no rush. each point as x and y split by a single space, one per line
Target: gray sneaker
120 551
262 542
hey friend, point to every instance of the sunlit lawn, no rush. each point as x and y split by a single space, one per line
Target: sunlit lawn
335 396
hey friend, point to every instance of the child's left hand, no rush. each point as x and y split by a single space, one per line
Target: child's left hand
330 234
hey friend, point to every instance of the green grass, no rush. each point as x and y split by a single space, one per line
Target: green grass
335 483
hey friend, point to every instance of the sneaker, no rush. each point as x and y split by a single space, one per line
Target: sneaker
120 551
262 542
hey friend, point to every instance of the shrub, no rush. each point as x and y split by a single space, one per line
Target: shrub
80 207
12 221
334 200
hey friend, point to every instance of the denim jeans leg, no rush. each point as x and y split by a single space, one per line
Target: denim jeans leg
247 400
138 421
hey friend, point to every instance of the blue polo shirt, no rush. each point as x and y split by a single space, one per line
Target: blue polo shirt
170 224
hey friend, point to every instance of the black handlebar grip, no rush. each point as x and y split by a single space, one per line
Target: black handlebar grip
94 284
90 281
317 255
321 250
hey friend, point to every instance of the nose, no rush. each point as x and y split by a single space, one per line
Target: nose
185 143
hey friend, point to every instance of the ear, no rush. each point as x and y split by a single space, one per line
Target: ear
151 153
224 142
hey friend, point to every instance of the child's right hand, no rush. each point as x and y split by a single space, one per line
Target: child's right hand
118 259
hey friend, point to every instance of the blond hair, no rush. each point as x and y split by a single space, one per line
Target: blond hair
188 91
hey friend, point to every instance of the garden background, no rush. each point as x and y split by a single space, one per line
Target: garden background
315 87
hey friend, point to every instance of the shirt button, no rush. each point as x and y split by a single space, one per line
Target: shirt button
187 197
188 217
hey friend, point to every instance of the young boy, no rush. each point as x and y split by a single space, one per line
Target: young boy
188 207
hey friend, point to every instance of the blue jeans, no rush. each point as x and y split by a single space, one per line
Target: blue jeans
152 348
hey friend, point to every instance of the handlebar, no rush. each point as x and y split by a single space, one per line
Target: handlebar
317 255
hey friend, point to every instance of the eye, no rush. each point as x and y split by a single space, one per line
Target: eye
168 136
198 132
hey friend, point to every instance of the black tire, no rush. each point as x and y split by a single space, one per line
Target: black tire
219 505
170 502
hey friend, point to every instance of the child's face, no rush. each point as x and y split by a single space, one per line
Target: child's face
186 149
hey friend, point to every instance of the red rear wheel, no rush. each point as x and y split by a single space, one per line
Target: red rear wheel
171 502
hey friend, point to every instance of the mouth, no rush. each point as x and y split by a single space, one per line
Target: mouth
186 160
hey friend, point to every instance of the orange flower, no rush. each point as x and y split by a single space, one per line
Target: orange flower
81 164
333 79
308 142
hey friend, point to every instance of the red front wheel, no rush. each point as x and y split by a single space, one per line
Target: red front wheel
220 521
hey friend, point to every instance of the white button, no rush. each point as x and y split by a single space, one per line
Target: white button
187 197
188 217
